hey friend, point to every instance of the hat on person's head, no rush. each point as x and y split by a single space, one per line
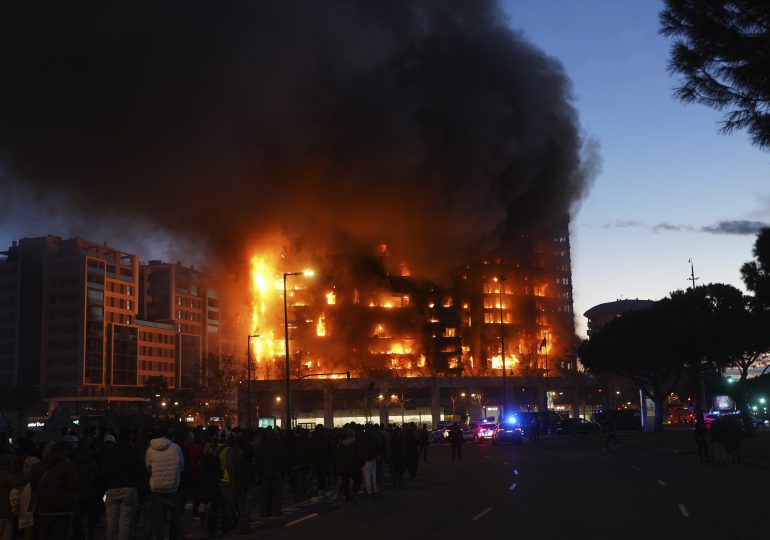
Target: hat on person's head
109 438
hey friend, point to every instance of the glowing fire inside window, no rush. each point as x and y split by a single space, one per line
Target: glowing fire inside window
401 348
320 328
510 361
331 298
450 332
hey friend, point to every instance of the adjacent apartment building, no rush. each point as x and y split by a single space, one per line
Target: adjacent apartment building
84 322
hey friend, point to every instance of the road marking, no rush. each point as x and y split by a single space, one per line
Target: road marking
300 520
516 472
513 486
661 482
482 514
684 511
634 467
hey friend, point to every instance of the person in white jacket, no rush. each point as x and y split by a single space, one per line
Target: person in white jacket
165 461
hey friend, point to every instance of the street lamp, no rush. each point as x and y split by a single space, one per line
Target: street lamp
500 279
307 273
248 373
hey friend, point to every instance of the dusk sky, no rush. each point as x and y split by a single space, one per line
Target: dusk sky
670 186
668 178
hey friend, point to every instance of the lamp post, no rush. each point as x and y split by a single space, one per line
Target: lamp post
307 273
500 279
248 374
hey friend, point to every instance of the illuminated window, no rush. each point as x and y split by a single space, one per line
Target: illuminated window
449 332
539 290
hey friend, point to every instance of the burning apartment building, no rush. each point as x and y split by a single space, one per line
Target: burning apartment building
392 330
435 128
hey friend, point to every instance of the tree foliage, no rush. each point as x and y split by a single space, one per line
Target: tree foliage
634 346
722 50
702 330
756 273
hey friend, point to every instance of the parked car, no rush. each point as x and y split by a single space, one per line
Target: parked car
441 433
471 432
509 431
578 426
485 431
545 420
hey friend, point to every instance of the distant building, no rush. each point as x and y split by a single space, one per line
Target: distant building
178 295
71 321
601 314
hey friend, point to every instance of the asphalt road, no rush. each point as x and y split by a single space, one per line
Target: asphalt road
557 488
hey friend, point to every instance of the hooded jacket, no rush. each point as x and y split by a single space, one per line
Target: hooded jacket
165 461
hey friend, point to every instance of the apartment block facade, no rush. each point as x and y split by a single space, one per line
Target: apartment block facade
74 322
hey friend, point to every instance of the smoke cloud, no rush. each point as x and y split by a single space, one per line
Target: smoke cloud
739 227
431 126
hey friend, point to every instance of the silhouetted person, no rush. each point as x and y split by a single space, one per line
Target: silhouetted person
423 438
611 426
54 486
718 438
397 456
456 440
733 438
411 451
700 441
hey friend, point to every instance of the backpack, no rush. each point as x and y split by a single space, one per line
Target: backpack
211 466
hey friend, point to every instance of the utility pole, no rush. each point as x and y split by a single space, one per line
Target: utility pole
692 274
700 404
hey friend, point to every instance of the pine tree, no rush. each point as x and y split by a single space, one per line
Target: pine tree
722 51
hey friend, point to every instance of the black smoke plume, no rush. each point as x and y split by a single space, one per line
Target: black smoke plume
431 126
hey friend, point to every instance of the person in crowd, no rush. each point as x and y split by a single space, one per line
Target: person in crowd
319 456
611 432
397 456
733 436
423 440
121 470
21 497
411 450
8 481
370 442
194 452
54 498
385 461
719 438
144 506
456 440
271 467
221 464
89 482
301 463
164 461
181 437
700 442
349 459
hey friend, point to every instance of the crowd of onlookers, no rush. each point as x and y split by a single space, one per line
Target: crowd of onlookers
137 484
